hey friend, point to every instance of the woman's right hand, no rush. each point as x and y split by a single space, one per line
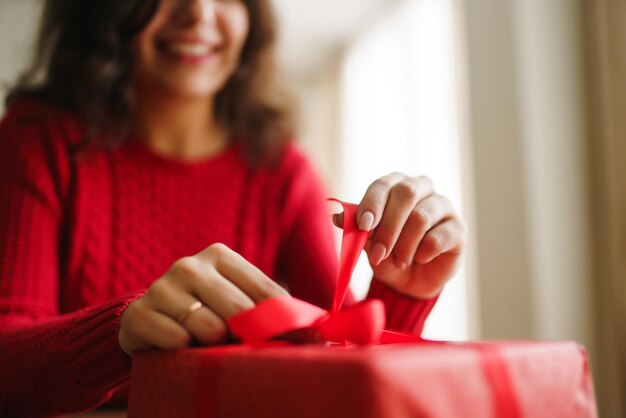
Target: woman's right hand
168 317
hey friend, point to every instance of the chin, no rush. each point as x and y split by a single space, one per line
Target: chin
196 93
195 90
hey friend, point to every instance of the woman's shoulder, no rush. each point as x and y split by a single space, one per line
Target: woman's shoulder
36 143
33 120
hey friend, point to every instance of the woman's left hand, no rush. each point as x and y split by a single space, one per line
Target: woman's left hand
416 238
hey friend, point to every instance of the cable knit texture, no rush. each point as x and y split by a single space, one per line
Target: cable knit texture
82 234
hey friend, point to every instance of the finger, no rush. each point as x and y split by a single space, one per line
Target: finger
428 213
376 196
203 324
447 237
151 328
338 220
371 208
200 278
252 281
222 296
403 197
206 327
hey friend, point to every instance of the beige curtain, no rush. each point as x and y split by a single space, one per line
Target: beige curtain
606 61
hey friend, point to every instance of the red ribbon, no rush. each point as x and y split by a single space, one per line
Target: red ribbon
362 323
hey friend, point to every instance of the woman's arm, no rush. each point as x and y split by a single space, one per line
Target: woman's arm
49 363
61 363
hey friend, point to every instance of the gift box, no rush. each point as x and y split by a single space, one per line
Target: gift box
365 371
395 381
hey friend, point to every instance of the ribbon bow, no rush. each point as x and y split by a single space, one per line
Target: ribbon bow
362 323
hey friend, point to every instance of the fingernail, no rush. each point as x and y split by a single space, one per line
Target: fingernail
366 221
378 253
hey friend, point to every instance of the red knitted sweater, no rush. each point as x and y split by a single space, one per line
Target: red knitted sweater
82 235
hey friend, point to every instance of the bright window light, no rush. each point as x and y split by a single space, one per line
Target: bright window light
399 110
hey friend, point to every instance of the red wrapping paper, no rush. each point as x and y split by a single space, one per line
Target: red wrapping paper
405 377
391 381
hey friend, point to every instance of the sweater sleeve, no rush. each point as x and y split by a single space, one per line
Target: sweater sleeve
309 255
404 313
50 362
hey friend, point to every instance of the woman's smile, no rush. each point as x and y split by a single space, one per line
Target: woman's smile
190 50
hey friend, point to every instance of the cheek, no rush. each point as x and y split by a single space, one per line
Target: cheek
238 26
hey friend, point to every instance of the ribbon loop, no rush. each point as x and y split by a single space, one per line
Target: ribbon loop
273 317
362 323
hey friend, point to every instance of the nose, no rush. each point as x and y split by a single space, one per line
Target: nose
191 12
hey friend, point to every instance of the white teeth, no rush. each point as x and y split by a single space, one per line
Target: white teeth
192 49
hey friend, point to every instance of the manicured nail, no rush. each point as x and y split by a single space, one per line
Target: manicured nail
378 253
366 221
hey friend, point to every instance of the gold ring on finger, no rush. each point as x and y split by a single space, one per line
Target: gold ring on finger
191 309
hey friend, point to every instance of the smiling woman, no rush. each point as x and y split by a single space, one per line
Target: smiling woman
149 192
178 63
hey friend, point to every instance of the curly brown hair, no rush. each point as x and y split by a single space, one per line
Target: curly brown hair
83 61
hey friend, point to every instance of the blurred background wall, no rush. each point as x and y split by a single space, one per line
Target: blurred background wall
512 107
605 30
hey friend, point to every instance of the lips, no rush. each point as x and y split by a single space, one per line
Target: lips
190 49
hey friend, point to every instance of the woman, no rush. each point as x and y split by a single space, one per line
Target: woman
148 192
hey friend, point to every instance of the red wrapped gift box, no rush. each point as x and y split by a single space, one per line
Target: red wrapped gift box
394 381
405 377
